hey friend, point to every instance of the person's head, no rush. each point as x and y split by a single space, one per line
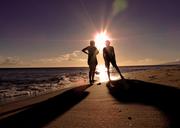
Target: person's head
107 42
92 43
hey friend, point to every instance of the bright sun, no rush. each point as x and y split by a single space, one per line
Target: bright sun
100 39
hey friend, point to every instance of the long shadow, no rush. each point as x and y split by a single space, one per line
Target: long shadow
40 114
163 97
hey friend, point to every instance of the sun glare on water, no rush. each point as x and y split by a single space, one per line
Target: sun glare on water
102 74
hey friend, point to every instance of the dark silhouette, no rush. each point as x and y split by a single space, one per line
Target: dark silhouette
163 97
92 59
40 114
109 57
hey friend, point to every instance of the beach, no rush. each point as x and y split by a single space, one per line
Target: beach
146 99
89 64
167 75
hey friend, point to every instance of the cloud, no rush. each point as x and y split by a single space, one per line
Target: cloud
68 58
177 60
145 61
10 61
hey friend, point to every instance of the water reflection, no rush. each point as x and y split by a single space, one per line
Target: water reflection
101 74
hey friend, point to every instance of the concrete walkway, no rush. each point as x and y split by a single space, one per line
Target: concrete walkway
101 110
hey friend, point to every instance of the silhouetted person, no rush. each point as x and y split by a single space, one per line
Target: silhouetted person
92 60
109 57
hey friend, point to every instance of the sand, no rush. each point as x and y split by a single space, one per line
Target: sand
151 100
169 75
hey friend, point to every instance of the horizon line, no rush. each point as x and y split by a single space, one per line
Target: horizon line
87 66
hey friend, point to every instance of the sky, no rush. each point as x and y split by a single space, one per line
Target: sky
52 33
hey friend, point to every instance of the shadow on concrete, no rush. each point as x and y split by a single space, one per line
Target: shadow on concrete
163 97
40 114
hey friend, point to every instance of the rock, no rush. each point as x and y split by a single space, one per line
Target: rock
129 118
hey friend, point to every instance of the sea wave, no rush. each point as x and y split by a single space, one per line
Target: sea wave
13 88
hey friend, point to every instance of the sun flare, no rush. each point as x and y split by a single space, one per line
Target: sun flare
100 39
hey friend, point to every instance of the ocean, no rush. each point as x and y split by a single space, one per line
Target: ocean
24 82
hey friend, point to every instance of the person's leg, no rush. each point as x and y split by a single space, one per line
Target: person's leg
93 72
90 74
107 64
108 72
117 69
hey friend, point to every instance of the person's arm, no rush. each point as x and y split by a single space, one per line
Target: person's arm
85 50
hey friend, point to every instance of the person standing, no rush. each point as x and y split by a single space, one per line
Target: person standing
109 57
92 52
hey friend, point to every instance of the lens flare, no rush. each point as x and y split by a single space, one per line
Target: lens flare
119 6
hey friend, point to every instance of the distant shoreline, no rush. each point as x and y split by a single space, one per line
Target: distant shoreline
159 65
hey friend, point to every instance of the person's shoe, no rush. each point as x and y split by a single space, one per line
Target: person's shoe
110 85
94 81
90 82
